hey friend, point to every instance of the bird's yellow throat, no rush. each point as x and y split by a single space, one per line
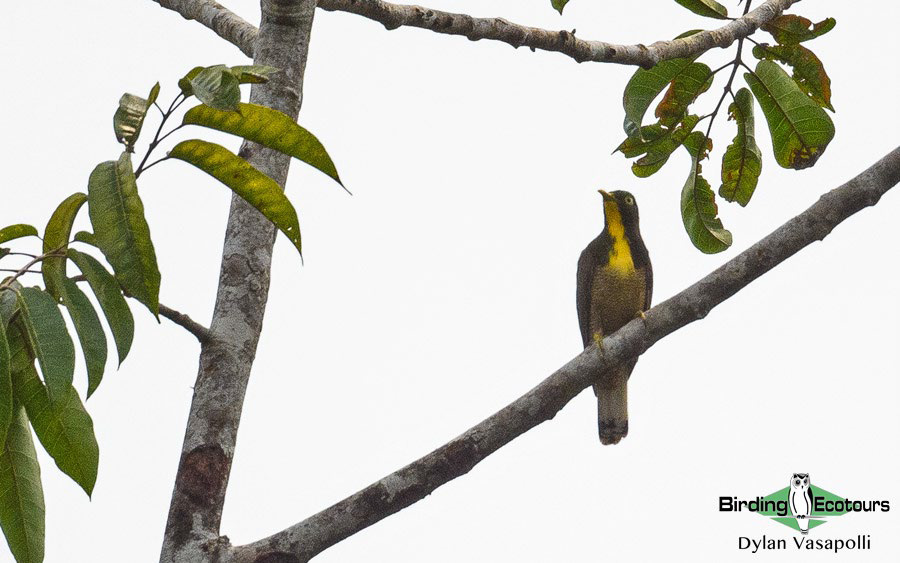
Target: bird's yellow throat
620 260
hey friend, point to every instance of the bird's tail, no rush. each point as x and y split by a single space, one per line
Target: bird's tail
612 406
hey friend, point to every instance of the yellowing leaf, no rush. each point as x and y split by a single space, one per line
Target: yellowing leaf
129 118
13 232
260 191
269 128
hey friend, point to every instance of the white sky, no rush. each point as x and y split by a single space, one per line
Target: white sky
444 288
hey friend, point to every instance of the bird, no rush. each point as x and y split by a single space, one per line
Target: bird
614 285
801 500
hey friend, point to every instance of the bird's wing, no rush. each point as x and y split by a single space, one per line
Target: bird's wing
587 262
648 285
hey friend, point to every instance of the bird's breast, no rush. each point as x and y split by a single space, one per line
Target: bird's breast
617 297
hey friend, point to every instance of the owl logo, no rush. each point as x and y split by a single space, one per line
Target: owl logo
800 498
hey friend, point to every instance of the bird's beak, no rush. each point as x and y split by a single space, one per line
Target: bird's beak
606 195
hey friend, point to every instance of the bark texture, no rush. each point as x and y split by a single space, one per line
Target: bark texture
192 528
225 23
304 540
242 34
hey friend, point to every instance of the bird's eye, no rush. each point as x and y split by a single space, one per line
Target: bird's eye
797 482
629 200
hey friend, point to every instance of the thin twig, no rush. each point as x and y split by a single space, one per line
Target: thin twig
201 332
154 163
55 253
177 101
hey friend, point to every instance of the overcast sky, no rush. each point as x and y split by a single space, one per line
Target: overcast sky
445 287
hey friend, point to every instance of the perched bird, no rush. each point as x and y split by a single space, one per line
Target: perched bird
615 284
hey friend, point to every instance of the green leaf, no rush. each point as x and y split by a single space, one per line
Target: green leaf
253 74
640 144
48 337
809 73
21 494
245 74
706 8
121 231
9 302
268 127
800 129
110 298
659 151
63 427
56 237
6 397
86 238
256 188
558 5
13 232
742 161
129 118
790 29
217 87
644 86
90 332
695 79
185 83
698 203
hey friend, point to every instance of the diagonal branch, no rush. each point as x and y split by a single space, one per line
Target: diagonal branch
227 25
184 321
417 480
242 34
565 42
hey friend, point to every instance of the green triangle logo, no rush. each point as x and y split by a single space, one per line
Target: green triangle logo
816 518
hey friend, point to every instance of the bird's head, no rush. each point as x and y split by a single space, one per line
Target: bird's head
622 204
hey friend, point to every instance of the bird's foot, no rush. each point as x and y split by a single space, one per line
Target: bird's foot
598 340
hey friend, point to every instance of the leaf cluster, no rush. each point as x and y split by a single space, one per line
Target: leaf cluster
37 351
793 106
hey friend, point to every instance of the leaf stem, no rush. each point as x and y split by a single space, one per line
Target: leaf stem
179 99
56 252
154 163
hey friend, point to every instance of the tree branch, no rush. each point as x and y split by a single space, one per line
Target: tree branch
195 513
189 324
393 16
227 25
417 480
242 34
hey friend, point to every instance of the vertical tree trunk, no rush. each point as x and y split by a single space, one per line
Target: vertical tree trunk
192 528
